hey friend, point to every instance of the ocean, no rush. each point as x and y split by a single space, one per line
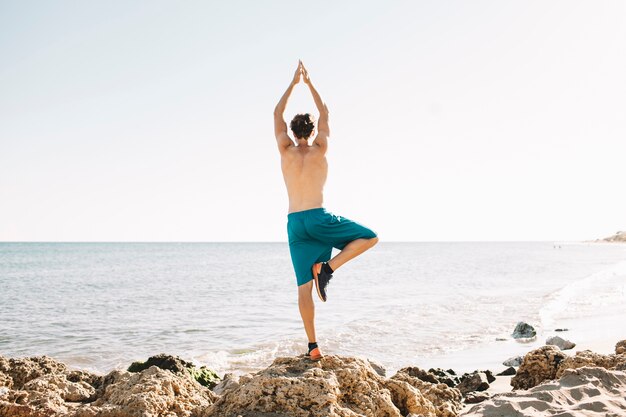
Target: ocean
233 306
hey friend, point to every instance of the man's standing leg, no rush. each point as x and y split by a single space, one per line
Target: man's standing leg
307 309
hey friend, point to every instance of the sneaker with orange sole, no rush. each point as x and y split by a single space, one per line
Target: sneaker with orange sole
315 354
321 278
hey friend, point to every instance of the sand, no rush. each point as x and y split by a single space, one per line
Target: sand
579 392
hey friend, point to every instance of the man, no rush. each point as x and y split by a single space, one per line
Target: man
313 231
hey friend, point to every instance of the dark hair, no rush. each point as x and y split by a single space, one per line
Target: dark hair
302 125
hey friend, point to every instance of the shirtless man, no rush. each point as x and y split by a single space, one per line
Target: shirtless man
313 232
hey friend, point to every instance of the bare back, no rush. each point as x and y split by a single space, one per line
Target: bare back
305 169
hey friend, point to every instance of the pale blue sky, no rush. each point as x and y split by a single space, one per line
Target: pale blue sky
452 120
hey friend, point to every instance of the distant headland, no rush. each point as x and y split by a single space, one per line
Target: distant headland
617 237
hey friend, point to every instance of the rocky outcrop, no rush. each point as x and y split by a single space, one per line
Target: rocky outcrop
524 331
203 375
445 399
434 375
41 386
335 387
579 392
620 347
561 343
476 397
617 237
589 358
514 361
537 366
153 391
508 371
548 362
474 382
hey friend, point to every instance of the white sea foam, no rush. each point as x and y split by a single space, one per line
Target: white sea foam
600 293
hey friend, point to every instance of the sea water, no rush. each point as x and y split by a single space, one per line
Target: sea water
233 306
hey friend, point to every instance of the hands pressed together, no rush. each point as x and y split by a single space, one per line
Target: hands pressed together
301 73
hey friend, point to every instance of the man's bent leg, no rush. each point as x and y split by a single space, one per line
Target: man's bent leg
351 251
307 309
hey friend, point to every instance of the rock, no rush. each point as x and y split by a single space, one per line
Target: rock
561 330
489 374
476 397
589 358
22 370
560 343
434 375
445 399
151 392
578 393
229 382
620 347
501 339
523 331
41 386
537 366
420 374
514 361
332 387
476 381
508 371
448 377
203 375
380 370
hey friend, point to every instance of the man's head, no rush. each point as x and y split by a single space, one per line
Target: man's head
303 125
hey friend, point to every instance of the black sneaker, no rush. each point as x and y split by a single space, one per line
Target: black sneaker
322 279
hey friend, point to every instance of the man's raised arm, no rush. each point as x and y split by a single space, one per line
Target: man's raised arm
280 126
323 129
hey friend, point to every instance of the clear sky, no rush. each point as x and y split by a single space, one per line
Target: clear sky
451 120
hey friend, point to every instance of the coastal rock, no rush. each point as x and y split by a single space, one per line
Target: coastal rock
508 371
426 376
22 370
617 237
537 366
332 387
41 386
589 358
560 343
489 375
620 347
5 380
448 377
476 397
514 361
151 392
579 392
230 381
445 399
476 381
523 331
433 375
203 375
380 370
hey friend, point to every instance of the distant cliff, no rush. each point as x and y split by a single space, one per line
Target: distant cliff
617 237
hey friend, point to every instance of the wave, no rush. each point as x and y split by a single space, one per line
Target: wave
597 294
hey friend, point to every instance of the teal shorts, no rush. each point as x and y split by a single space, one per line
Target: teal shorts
314 233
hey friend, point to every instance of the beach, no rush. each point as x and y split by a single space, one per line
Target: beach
547 381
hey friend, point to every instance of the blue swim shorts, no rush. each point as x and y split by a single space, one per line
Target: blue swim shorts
314 233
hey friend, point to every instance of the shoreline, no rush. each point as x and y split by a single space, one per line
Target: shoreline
335 386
